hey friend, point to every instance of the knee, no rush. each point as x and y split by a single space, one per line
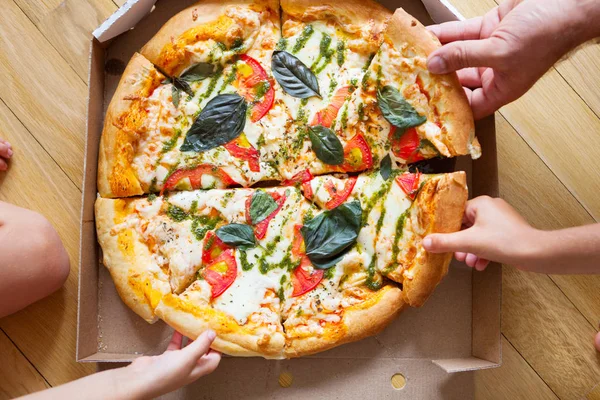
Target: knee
51 260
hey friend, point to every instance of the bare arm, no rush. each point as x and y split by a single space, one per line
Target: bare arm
146 377
493 230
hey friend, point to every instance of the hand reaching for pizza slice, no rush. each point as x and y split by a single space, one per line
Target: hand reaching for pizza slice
499 56
6 153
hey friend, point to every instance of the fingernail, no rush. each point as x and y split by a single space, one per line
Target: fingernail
437 65
427 242
10 152
210 334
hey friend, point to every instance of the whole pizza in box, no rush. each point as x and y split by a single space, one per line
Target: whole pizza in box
254 173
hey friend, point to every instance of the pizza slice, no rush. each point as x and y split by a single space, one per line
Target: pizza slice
324 51
402 108
206 121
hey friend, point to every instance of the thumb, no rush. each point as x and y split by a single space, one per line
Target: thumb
200 346
450 242
463 54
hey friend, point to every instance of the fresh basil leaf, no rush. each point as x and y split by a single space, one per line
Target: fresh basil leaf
237 235
293 76
222 120
182 85
326 145
385 168
332 233
396 110
261 206
175 96
197 72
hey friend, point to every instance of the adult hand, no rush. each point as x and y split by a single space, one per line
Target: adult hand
501 55
175 368
493 230
6 153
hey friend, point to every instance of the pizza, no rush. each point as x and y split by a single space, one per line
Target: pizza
257 173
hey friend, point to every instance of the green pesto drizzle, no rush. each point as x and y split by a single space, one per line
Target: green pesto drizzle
282 44
246 266
375 197
341 47
261 89
202 224
344 117
303 38
332 85
261 140
361 111
399 232
329 272
229 78
170 144
177 214
280 294
365 80
211 85
373 284
153 185
151 198
226 197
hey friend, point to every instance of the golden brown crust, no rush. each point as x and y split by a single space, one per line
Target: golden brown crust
353 14
452 102
124 117
127 260
438 208
201 21
358 322
233 339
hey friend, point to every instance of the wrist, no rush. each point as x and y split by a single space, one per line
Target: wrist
582 20
129 383
533 249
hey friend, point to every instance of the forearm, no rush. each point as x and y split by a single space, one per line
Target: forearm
565 251
111 384
584 17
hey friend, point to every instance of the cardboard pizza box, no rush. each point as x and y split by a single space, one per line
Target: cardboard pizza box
425 353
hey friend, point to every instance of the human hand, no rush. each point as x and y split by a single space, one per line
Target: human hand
6 153
492 230
175 368
499 56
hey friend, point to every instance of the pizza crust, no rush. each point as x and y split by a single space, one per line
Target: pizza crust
358 322
116 176
456 113
204 12
127 260
438 208
192 320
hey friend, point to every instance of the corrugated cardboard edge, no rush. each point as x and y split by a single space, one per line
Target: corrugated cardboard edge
125 18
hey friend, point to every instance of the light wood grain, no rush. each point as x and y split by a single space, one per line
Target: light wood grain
64 27
515 380
45 331
17 376
41 90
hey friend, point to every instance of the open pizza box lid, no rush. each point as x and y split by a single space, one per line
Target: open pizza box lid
458 329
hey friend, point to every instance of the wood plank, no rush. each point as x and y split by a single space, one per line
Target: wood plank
594 394
17 376
45 331
37 10
42 90
515 380
68 32
549 332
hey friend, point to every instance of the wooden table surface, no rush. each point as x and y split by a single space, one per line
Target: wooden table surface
548 144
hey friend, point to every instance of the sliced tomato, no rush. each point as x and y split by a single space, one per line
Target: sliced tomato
409 183
339 196
301 178
326 116
298 248
250 82
241 148
303 280
406 146
195 176
357 155
260 229
221 273
212 248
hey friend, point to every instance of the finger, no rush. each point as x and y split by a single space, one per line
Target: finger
457 30
460 256
175 343
3 165
461 241
200 346
458 55
481 264
484 103
597 341
206 365
469 77
471 260
5 150
472 208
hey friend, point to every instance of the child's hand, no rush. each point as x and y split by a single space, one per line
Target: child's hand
5 153
492 230
175 368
